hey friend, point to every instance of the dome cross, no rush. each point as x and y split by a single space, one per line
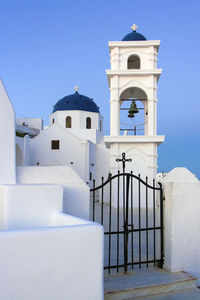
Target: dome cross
134 27
76 88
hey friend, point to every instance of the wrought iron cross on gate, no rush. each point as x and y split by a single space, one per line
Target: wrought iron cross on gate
123 160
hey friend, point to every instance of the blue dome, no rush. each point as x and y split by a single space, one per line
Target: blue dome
134 36
76 102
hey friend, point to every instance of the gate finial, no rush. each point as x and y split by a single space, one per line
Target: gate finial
123 160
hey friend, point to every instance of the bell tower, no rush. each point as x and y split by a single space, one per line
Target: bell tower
133 79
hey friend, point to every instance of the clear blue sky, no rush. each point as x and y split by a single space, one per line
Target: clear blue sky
49 46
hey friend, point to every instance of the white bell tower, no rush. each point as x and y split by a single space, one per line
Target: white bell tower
132 80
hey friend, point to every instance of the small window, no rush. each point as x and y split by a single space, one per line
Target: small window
88 123
53 120
100 125
90 176
55 145
68 122
133 62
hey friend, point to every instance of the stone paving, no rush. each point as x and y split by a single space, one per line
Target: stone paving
158 283
193 294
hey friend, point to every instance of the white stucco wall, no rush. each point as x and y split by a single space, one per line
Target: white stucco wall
73 151
64 262
142 151
181 221
78 118
19 151
31 122
102 163
7 137
146 50
22 151
85 134
76 192
78 128
46 254
28 206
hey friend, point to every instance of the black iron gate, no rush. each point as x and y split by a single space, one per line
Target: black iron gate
131 211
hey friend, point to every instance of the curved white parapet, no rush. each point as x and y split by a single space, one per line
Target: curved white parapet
52 263
28 206
44 253
75 193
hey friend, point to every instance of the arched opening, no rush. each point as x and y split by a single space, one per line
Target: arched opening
133 62
88 123
19 156
68 122
53 121
133 112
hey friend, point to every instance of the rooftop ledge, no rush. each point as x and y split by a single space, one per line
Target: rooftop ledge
134 72
126 44
158 139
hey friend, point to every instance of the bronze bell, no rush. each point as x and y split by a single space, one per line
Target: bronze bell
133 110
130 114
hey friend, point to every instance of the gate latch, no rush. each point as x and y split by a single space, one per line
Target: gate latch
128 230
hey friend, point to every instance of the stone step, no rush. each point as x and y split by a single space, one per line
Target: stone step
146 283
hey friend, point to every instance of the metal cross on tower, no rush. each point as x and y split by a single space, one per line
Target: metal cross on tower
76 88
123 160
134 27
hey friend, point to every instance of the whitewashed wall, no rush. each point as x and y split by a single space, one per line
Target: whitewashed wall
28 206
146 50
102 162
78 118
72 150
76 192
44 253
31 122
20 151
66 263
7 137
181 221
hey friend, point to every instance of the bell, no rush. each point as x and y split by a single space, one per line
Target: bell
134 107
130 114
133 110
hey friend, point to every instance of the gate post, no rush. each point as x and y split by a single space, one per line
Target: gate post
161 226
182 222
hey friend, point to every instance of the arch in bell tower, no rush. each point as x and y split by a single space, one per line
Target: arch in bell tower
133 111
133 62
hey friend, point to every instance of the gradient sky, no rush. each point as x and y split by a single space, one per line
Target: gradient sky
49 46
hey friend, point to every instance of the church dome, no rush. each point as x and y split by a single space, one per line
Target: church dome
76 101
134 36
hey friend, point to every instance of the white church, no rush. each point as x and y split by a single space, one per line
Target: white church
49 248
74 137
